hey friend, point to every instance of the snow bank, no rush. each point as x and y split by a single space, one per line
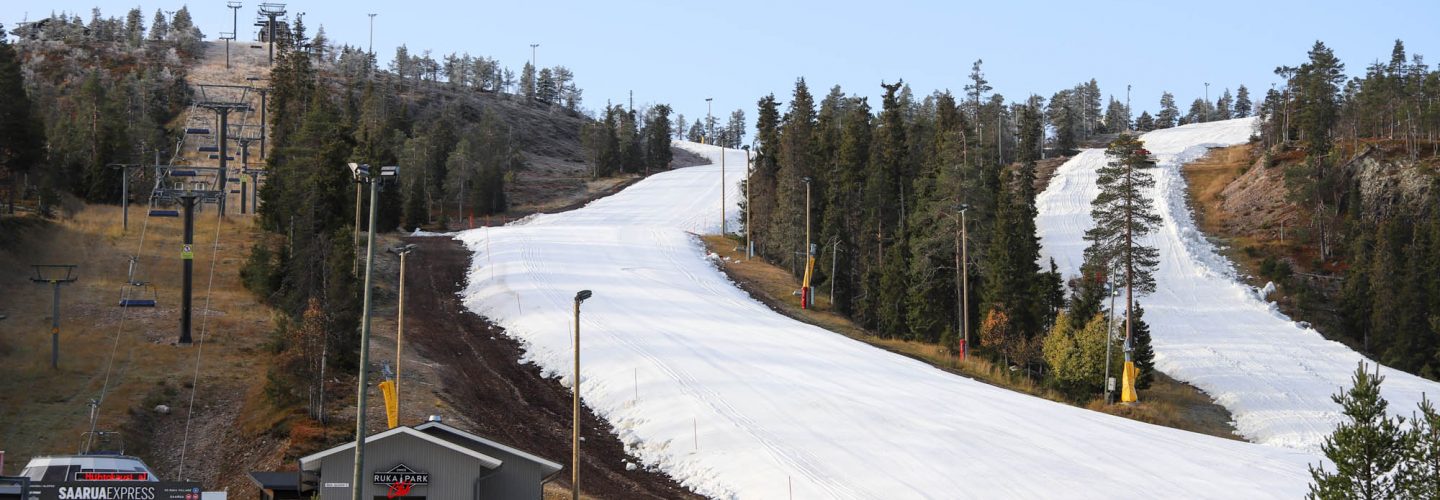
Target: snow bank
736 401
1209 329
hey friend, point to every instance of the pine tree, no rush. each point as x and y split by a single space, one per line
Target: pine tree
1169 113
1222 106
1366 450
527 82
1200 112
1123 217
1145 122
1419 472
657 138
1117 118
1242 102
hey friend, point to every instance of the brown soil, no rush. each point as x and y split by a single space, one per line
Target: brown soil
482 378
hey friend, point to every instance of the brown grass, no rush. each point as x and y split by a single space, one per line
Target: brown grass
1168 402
50 413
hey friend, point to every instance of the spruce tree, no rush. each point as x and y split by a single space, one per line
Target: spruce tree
1143 355
1123 217
1366 450
1242 102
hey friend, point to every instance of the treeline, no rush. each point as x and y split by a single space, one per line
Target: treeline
627 141
457 153
888 191
82 95
731 135
1386 249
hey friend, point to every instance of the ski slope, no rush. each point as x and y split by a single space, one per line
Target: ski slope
736 401
1275 376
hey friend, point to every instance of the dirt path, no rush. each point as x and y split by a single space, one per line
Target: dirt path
513 403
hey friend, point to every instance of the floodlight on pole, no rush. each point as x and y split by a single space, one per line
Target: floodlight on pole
533 62
363 174
371 50
575 417
709 127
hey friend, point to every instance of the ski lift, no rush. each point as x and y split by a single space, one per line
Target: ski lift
182 173
208 149
144 290
164 213
197 131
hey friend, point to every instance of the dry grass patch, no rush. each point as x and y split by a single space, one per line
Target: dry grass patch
128 352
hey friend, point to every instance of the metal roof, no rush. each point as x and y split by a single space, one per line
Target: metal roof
311 462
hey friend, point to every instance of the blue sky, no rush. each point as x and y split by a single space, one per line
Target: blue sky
680 52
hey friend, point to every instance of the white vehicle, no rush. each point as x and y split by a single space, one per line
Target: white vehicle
68 468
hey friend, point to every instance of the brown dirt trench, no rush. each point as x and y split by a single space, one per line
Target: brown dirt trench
513 403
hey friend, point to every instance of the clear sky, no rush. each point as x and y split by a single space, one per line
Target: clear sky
680 52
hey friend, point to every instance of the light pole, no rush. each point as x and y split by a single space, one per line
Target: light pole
363 175
533 62
709 121
54 275
371 50
722 190
400 318
575 418
359 198
749 246
962 265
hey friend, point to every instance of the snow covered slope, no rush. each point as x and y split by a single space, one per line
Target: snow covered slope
1210 330
737 401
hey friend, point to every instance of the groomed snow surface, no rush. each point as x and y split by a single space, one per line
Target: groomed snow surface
736 401
1275 376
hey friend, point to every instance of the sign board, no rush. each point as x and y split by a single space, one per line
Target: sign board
401 474
187 254
111 476
115 490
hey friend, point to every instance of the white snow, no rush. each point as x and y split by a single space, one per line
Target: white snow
735 401
1209 329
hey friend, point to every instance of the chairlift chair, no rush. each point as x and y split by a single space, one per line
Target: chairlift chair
146 291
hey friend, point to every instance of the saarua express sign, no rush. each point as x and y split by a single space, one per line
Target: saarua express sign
115 490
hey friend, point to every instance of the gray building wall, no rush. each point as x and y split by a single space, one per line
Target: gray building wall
517 478
452 474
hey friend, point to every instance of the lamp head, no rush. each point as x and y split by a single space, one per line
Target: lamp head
582 295
360 171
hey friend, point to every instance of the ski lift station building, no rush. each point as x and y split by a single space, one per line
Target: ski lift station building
431 460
